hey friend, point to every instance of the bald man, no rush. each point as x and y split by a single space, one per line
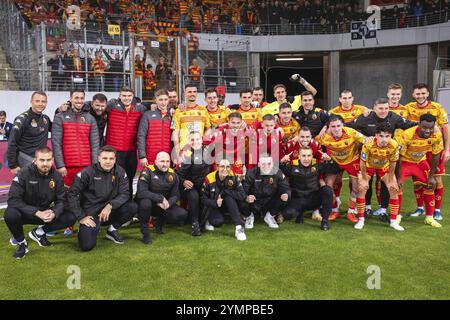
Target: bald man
157 194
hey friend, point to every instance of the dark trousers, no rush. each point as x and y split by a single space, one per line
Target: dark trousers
384 193
216 215
15 220
175 214
192 197
297 206
261 206
87 236
128 161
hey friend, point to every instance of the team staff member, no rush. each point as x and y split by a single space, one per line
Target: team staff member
267 192
121 133
75 138
415 143
367 126
29 133
308 115
195 166
154 132
36 197
344 145
379 155
221 193
157 194
309 191
98 196
416 109
279 91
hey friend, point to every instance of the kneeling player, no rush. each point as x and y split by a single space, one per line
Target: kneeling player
379 155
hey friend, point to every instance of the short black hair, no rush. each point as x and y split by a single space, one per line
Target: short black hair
100 97
245 91
43 149
2 113
77 90
420 86
235 115
284 105
335 117
269 117
428 117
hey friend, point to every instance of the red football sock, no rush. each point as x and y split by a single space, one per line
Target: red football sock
337 188
418 191
394 204
428 196
361 206
438 194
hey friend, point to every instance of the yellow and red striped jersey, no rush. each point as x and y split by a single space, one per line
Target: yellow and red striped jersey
377 157
349 115
251 115
218 117
192 119
401 110
415 111
414 149
345 149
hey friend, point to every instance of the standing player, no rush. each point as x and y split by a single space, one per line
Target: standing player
250 114
344 146
415 143
379 156
218 115
394 95
416 109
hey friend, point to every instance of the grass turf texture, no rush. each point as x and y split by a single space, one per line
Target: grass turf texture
293 262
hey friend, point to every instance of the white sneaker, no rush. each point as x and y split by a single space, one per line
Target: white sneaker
249 221
270 220
240 234
359 225
396 226
316 215
208 226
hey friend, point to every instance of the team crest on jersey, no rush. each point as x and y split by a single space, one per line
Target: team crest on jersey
314 116
253 116
51 184
270 180
45 121
353 114
346 143
170 178
429 142
199 113
82 120
230 183
113 178
34 123
313 169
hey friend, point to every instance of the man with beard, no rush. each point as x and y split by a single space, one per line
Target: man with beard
36 197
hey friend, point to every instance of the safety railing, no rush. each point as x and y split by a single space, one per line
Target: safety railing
63 81
232 84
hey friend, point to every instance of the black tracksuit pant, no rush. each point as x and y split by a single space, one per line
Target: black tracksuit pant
175 214
87 236
261 206
297 206
128 161
192 197
216 215
15 220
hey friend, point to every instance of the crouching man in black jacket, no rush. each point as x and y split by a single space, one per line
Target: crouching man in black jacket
195 166
308 189
157 194
267 192
36 197
221 193
100 195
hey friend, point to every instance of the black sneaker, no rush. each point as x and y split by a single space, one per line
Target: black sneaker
41 240
114 236
159 227
367 213
22 250
196 229
299 219
146 239
324 225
